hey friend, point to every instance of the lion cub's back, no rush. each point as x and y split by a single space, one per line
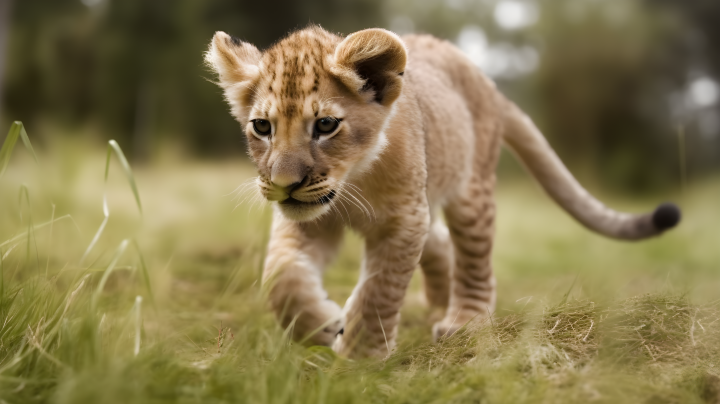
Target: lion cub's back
460 109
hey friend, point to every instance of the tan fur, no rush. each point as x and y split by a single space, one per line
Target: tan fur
420 134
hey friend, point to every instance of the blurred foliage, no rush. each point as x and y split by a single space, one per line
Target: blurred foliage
610 90
601 90
134 69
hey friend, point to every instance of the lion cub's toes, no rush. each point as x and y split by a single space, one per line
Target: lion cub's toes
329 316
442 330
447 327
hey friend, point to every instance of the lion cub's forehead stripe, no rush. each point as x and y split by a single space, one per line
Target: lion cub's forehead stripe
293 68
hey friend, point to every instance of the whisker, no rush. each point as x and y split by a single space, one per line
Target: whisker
357 202
257 198
253 196
246 190
244 184
346 211
343 197
359 192
250 193
369 205
334 208
242 194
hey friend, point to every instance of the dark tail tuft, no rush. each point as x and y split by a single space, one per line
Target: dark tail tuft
666 216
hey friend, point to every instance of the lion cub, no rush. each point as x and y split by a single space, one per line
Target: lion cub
381 133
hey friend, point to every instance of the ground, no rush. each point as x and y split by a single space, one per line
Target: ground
580 318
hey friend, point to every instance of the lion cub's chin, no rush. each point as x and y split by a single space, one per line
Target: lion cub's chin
303 213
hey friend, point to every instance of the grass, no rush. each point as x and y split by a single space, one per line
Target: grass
166 305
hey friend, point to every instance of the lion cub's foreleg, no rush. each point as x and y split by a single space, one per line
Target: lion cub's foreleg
296 258
392 252
470 217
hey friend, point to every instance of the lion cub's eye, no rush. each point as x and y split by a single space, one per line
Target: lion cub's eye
326 125
262 127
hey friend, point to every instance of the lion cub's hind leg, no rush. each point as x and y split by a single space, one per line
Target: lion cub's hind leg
436 263
470 217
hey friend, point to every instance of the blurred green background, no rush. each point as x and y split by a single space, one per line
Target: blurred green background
622 88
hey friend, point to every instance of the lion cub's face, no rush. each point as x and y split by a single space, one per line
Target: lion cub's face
314 108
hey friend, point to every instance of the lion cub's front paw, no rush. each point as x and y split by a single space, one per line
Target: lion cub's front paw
338 344
444 330
326 324
447 327
355 345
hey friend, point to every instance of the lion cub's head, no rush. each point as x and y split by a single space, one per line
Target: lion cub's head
313 106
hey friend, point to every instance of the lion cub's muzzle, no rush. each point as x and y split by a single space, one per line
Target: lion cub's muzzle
305 192
323 200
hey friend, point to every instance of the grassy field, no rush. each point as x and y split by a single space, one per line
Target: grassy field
167 305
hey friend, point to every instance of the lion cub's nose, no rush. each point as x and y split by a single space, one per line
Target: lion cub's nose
287 183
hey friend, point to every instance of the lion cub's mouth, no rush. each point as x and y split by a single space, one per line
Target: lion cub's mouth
322 201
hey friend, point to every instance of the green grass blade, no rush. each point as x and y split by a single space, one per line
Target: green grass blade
106 214
145 273
24 194
26 140
35 228
567 294
2 284
118 253
8 146
47 262
138 324
113 145
16 130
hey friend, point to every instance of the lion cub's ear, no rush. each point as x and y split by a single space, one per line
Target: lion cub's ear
236 64
372 60
232 59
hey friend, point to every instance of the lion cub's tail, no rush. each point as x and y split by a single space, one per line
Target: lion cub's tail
530 146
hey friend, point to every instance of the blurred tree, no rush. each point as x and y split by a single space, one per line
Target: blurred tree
5 7
696 46
601 90
605 91
133 68
701 29
43 58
